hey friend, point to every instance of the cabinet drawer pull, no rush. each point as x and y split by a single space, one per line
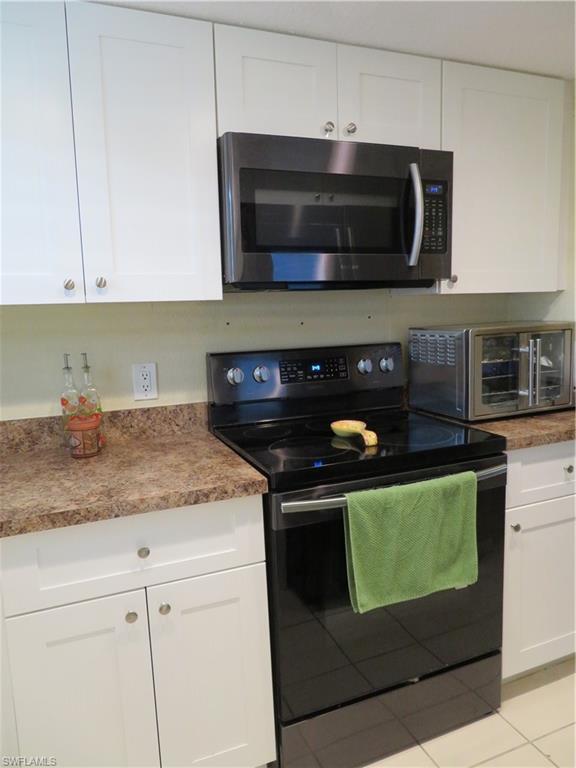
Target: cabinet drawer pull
131 617
69 284
165 608
143 552
516 527
569 468
329 127
101 282
351 128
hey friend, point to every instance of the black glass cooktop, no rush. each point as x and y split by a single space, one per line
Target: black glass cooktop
305 450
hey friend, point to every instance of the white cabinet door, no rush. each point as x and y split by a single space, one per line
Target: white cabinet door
278 84
40 229
211 651
145 126
389 98
505 129
82 679
538 585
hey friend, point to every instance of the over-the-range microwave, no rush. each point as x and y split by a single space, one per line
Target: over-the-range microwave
489 371
304 214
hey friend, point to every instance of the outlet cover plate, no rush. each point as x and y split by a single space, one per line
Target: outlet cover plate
145 381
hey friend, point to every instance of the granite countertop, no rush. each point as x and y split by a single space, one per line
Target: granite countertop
140 470
531 431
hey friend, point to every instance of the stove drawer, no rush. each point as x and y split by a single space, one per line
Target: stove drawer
367 731
50 568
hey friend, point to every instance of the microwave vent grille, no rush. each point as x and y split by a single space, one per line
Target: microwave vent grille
433 348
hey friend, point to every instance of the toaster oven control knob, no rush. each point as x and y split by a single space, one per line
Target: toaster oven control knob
261 374
364 366
235 376
387 364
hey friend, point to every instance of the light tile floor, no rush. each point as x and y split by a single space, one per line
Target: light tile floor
535 727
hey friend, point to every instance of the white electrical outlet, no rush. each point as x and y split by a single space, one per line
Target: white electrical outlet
145 381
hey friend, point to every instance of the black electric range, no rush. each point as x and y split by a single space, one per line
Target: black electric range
352 688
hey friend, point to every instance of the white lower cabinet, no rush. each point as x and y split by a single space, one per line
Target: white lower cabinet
174 673
82 680
212 669
539 594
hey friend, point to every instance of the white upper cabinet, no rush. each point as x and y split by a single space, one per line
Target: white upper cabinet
278 84
388 98
145 127
505 129
40 229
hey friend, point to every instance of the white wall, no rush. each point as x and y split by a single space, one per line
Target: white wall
178 335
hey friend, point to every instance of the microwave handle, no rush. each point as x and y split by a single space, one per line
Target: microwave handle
419 218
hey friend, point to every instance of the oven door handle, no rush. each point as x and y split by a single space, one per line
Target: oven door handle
339 502
414 254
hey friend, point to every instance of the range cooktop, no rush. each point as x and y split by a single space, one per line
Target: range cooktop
305 450
275 408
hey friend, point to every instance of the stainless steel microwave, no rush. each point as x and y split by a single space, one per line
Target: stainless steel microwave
302 214
488 371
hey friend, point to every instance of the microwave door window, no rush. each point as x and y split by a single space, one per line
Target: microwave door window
311 213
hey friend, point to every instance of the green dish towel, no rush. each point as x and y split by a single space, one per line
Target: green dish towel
408 541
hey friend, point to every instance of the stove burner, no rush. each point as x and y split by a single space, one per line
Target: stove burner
267 432
423 437
305 448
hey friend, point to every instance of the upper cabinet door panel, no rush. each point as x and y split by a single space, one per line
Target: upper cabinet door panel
40 228
145 123
388 98
278 84
505 129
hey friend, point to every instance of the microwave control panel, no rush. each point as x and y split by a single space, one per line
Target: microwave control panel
435 232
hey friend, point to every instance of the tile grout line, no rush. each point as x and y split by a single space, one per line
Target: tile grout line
544 755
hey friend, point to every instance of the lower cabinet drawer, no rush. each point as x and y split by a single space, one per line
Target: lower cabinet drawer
50 568
541 473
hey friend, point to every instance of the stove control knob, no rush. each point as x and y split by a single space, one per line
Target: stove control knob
261 374
387 364
364 366
235 376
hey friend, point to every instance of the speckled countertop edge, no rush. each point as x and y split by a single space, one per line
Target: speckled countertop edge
533 431
155 461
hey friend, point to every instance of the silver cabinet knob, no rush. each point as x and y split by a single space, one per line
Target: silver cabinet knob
131 617
516 527
69 284
329 127
387 364
454 278
235 376
569 468
351 128
101 282
364 366
164 609
143 552
261 374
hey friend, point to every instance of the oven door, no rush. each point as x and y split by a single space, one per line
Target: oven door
325 655
307 213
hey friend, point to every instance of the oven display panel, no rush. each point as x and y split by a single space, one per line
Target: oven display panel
299 371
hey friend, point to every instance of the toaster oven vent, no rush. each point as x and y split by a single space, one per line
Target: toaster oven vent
433 348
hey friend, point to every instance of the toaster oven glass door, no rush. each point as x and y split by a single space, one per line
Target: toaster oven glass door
551 377
521 372
499 379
